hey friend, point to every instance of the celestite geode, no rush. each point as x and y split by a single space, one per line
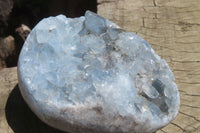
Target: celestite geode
86 75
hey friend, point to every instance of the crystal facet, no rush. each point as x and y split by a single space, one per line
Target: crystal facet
88 75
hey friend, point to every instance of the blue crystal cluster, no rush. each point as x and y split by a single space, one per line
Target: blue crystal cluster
88 75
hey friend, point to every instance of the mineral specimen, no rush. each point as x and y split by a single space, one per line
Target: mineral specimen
87 75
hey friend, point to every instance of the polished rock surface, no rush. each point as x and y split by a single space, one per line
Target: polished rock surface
89 75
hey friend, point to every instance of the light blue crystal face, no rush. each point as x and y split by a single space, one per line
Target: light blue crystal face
89 75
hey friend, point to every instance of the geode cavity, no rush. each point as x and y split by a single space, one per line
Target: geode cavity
87 75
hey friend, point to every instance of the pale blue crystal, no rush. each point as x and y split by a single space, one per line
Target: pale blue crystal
88 75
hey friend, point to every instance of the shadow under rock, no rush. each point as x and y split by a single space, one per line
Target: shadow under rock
21 119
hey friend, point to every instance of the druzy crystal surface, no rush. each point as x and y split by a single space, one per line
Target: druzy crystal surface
87 75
